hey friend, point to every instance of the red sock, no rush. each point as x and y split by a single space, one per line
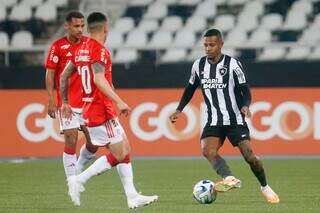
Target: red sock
69 150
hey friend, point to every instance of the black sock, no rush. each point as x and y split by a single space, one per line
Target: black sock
258 171
221 167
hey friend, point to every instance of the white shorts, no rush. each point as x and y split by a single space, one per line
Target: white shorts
73 123
110 132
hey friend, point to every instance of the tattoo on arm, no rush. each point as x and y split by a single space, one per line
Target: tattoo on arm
64 81
98 68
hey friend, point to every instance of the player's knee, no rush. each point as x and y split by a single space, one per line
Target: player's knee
209 153
121 155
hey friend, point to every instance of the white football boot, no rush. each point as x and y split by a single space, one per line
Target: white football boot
270 195
141 200
229 182
75 188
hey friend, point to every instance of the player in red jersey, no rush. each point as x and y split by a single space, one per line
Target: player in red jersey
60 52
93 62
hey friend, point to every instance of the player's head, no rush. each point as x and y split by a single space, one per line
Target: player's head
74 24
97 24
212 42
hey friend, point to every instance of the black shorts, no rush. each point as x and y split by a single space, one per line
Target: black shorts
235 134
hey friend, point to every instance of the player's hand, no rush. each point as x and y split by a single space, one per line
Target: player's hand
246 111
124 108
52 109
66 111
174 117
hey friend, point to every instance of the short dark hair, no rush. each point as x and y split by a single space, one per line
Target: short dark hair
73 14
213 32
96 17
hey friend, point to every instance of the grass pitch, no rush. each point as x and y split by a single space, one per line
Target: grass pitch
39 186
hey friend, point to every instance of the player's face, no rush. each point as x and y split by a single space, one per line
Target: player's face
212 45
75 28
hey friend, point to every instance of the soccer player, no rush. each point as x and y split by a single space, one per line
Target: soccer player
227 97
93 62
60 52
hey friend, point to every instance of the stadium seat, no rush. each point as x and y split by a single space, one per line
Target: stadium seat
148 25
189 2
173 55
20 13
167 2
302 6
310 36
22 39
260 36
58 3
315 54
161 40
272 53
46 12
271 21
124 25
184 39
8 3
236 37
224 22
237 2
156 11
295 21
140 3
114 39
195 24
4 40
230 51
247 22
254 8
125 56
298 53
3 13
206 9
31 3
171 23
136 39
195 54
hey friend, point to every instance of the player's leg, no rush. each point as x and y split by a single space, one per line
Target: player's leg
87 151
258 170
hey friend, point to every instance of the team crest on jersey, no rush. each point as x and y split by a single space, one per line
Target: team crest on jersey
223 70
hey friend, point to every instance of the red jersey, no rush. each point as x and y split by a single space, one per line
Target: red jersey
60 52
97 107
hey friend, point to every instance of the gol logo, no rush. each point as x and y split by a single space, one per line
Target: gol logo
45 123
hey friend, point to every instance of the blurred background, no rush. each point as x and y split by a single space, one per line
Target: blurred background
153 45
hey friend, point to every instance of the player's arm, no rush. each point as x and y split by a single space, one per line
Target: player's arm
103 85
244 89
64 87
187 95
52 108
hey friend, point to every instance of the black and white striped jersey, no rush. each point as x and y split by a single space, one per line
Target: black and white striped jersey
224 88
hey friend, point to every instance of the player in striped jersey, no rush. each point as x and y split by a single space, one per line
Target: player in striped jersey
227 96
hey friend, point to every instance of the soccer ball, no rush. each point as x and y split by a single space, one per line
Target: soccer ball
204 192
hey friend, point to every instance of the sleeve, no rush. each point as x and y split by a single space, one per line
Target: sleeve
189 90
53 57
99 55
241 83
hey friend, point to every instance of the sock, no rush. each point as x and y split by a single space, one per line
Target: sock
259 173
221 167
69 160
126 176
84 156
98 167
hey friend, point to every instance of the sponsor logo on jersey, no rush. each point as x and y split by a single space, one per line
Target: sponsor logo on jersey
212 83
69 54
83 58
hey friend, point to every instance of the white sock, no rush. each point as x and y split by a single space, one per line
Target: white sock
69 164
126 176
98 167
264 188
84 156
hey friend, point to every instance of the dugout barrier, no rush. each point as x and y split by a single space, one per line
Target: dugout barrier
286 121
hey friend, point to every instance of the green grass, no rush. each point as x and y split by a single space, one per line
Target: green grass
39 186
